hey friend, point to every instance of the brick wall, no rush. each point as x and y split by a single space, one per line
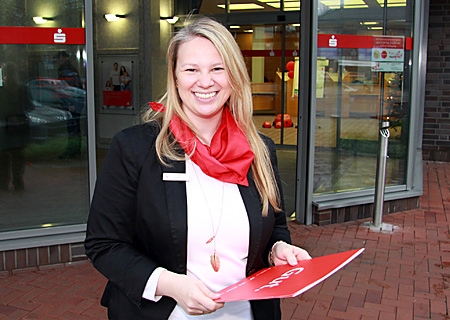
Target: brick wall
42 256
363 211
436 127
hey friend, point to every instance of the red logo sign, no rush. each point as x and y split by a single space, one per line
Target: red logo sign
37 35
363 42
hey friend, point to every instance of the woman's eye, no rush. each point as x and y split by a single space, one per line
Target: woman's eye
218 69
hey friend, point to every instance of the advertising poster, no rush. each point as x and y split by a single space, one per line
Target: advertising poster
118 74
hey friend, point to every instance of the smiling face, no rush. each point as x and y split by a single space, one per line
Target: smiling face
202 81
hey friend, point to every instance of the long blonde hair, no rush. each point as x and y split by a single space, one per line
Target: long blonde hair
240 104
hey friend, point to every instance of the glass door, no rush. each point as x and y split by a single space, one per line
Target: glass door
271 54
268 33
363 68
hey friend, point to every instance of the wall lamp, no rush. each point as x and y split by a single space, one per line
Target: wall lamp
110 17
41 20
171 20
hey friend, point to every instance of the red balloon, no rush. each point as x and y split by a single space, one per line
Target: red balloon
291 74
290 66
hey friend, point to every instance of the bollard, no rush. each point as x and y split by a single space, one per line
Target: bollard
381 174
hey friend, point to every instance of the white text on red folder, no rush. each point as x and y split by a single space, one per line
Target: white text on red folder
275 282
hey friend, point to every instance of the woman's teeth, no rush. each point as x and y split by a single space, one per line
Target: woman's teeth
205 95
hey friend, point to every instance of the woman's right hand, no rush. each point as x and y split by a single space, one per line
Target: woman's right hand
191 294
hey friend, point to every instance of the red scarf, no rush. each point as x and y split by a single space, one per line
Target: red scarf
229 156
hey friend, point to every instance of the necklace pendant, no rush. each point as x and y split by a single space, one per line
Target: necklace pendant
215 262
210 239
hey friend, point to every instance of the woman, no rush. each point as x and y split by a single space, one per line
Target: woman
108 86
125 79
190 203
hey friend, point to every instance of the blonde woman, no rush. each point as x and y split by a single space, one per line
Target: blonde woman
190 201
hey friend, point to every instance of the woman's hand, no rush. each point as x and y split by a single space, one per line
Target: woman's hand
191 294
284 253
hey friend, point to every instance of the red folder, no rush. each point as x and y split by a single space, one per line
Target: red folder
287 281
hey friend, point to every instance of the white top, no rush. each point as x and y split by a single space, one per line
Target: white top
115 76
208 212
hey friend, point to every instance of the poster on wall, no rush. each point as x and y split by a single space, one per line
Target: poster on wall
388 54
119 84
320 76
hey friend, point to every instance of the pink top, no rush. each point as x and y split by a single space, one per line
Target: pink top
205 196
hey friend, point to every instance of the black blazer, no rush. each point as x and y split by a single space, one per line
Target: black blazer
138 222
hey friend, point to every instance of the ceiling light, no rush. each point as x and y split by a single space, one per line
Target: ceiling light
111 17
346 4
265 1
41 20
287 5
393 3
171 20
241 6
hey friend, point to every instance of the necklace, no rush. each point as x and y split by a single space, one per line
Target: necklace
214 258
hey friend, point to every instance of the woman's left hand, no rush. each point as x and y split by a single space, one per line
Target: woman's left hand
284 253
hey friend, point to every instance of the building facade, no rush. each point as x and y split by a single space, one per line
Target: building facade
325 76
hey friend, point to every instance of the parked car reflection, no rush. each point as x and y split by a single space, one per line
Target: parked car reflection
54 103
58 94
46 122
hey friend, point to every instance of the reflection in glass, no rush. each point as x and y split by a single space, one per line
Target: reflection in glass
43 131
53 189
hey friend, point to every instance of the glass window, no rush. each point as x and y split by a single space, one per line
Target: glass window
43 131
274 86
363 77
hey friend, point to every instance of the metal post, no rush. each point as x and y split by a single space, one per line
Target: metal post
381 174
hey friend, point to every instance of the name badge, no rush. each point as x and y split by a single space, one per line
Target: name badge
171 176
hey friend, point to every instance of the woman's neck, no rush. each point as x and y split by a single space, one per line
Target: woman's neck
206 128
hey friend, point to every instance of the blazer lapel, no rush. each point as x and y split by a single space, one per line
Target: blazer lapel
252 204
177 211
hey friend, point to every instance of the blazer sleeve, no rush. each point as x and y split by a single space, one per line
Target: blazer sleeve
110 227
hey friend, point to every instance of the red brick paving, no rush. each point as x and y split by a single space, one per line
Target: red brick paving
402 274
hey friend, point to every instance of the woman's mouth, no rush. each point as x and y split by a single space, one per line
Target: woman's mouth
205 95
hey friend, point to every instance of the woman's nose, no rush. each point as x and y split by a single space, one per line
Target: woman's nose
205 79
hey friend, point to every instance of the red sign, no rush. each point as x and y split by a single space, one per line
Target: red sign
388 42
347 41
117 98
37 35
268 53
350 41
